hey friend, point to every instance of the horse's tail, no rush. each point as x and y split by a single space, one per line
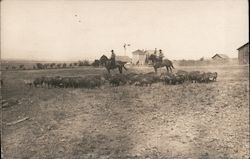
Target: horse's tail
123 65
171 65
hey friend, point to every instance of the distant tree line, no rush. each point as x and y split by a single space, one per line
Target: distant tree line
62 65
204 62
40 66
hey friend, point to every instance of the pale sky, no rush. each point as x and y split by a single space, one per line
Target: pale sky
73 30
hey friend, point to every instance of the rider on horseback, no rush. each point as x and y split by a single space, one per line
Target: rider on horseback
112 58
155 52
160 55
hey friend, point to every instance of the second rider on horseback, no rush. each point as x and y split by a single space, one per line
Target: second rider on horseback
112 58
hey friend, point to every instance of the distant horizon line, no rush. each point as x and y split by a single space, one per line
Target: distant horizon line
44 60
39 60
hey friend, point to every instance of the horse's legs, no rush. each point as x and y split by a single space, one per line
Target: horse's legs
108 70
120 70
124 67
170 69
155 69
167 68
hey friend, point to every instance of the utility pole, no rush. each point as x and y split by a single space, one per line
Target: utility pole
125 48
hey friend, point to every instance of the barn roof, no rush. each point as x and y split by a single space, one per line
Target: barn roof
138 52
243 46
223 56
123 58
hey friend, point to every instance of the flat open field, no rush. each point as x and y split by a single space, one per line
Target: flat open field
191 120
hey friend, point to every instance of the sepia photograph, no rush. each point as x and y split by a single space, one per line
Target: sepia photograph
124 79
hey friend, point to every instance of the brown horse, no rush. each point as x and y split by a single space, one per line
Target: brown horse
157 63
108 64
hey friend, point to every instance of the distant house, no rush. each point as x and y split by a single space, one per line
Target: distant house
123 59
243 54
139 57
220 57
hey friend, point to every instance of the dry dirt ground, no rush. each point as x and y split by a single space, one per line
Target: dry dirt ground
198 121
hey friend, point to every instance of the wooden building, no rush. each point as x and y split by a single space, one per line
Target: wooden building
139 57
220 57
243 54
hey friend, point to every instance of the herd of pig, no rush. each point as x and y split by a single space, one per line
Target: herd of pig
146 79
90 81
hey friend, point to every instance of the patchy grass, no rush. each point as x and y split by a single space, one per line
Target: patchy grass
188 120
